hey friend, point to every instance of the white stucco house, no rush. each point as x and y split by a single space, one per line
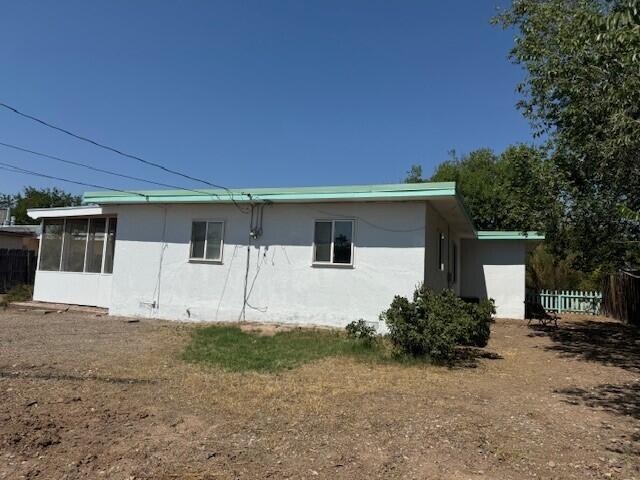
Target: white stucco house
313 255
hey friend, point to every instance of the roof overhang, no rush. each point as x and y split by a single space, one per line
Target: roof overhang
348 193
81 211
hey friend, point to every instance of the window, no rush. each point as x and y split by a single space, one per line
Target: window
206 241
441 244
95 244
333 242
51 245
74 244
111 245
454 262
77 245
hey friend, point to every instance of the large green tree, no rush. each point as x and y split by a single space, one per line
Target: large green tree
498 189
582 92
32 197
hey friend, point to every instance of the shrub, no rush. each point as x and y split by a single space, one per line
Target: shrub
360 330
19 293
434 323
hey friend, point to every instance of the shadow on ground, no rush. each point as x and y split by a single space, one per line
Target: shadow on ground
606 342
468 357
618 399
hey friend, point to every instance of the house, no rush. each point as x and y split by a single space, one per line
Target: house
313 255
19 237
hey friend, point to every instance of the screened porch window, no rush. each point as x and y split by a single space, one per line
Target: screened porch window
333 242
51 245
78 245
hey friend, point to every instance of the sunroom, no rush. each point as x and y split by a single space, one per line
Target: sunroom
75 261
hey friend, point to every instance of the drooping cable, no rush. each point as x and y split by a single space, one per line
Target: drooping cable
102 170
122 153
13 168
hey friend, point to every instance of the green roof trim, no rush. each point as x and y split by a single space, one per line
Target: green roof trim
383 192
401 191
510 235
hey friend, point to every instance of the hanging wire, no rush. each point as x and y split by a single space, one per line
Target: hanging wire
124 154
15 169
101 170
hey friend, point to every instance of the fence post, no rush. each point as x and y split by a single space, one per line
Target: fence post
559 300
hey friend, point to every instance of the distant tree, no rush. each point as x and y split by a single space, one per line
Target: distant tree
498 189
544 270
32 197
582 91
414 175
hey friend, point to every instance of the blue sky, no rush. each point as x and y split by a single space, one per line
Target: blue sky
255 93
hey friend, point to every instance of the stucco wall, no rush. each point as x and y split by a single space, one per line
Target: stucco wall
283 284
70 287
495 269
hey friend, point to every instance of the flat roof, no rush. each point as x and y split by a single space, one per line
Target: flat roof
94 201
20 230
387 192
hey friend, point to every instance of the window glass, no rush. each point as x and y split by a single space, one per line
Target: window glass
342 236
322 242
455 261
198 238
441 251
214 241
111 245
74 244
51 245
95 245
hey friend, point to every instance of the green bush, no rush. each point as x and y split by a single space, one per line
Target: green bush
18 293
435 323
360 330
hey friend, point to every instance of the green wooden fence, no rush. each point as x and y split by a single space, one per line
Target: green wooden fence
567 301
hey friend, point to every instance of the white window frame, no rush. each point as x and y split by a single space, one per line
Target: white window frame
86 245
206 221
331 263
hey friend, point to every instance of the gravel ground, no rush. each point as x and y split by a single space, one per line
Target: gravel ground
83 396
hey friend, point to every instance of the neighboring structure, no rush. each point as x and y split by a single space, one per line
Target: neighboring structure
19 237
315 255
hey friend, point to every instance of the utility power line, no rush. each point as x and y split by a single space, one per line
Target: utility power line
101 170
15 169
124 154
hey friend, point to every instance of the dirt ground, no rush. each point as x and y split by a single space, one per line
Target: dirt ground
83 396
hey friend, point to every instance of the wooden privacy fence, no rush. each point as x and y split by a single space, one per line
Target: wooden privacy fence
621 296
566 301
16 267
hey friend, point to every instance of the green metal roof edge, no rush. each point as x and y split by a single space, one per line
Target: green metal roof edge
394 191
348 192
509 235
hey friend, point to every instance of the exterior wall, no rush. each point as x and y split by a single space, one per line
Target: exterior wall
154 278
71 287
435 278
31 243
11 242
495 269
